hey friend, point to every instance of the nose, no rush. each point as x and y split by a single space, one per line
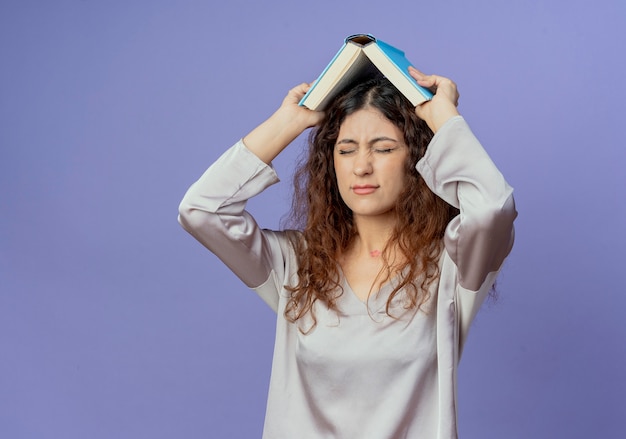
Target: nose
362 164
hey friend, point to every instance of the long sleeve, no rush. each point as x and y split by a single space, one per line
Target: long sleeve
213 211
458 169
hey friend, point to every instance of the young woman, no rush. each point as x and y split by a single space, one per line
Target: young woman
405 224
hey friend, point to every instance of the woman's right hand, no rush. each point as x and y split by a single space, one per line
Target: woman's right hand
304 117
288 122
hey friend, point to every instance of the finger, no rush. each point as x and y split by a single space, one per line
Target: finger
438 80
451 89
299 91
301 88
428 81
416 73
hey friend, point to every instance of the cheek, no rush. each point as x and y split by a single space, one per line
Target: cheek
341 172
342 181
398 178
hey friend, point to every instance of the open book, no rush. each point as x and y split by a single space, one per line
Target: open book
360 58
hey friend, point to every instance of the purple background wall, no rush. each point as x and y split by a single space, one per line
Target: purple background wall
115 324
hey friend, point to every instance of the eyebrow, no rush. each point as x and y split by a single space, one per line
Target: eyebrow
371 142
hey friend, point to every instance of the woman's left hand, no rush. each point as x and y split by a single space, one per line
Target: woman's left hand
443 105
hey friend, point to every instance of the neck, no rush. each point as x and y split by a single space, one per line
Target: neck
373 235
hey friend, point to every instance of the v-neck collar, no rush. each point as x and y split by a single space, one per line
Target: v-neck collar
350 303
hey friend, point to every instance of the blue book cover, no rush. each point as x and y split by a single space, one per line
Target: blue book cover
397 56
359 58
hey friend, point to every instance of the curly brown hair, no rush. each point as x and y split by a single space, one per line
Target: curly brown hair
327 224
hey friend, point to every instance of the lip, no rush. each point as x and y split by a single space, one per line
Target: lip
364 189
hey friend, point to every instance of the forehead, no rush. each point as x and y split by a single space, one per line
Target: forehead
368 122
